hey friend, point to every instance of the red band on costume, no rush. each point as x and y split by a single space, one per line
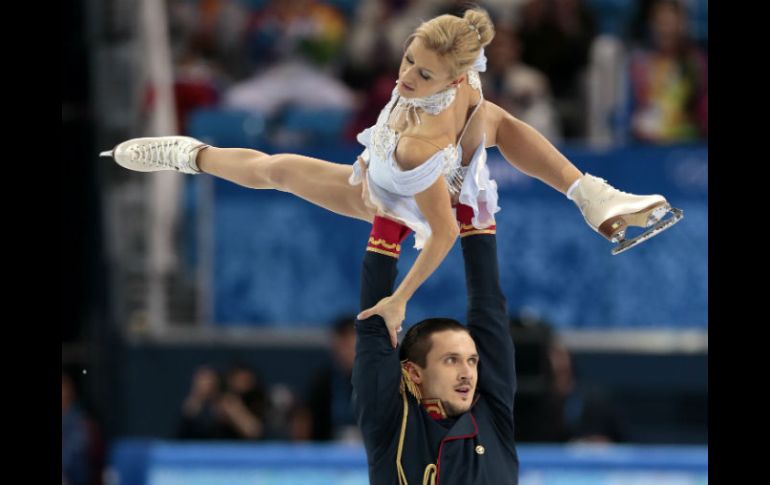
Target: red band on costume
465 217
386 237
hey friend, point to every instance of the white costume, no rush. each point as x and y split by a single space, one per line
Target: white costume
392 189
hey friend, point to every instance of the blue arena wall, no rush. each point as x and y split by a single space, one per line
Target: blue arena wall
280 261
139 462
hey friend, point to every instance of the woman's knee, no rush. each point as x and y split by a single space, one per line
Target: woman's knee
271 172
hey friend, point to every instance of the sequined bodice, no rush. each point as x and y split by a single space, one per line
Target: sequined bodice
385 138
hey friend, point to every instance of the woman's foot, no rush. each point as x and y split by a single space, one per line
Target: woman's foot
610 211
158 153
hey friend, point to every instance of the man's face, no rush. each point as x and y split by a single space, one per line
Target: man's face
450 372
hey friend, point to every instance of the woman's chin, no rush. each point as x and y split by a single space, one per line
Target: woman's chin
404 91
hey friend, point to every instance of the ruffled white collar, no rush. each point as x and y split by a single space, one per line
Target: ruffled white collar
438 102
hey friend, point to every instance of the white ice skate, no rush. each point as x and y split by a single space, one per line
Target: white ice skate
610 212
158 153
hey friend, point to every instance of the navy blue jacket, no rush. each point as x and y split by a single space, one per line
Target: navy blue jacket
479 447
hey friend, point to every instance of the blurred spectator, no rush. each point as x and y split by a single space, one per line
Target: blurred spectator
502 12
519 89
299 423
242 409
81 445
669 80
216 30
244 404
550 404
311 29
288 418
697 23
296 42
576 413
197 83
556 36
380 27
201 415
330 406
294 83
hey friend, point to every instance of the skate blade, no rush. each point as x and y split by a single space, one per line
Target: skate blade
657 228
108 153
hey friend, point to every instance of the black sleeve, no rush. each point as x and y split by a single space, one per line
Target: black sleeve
489 324
377 370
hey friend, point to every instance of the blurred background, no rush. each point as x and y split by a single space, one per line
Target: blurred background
207 330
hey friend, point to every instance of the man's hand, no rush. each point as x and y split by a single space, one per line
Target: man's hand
393 311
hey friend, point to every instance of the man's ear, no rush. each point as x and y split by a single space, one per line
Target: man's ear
415 373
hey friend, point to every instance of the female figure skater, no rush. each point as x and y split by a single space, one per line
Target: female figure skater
424 161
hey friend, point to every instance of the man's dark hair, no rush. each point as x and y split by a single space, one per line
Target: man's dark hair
417 341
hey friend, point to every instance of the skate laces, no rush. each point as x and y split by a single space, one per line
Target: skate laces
162 153
603 197
613 190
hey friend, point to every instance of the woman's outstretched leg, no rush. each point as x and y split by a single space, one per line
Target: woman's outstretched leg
607 210
320 182
531 153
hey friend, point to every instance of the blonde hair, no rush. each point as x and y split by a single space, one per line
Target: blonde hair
457 40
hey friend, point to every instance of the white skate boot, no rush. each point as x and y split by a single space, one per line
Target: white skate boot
158 153
610 212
